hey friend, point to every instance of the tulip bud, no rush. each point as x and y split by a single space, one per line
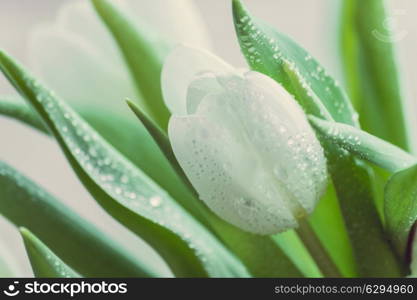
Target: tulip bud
243 142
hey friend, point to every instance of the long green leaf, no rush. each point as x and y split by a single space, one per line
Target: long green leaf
303 92
374 255
364 145
45 264
401 209
334 236
294 248
142 54
271 53
263 258
86 249
131 139
123 190
160 138
371 69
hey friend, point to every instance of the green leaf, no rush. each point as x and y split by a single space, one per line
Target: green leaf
45 264
374 255
273 54
263 257
143 55
303 92
161 140
193 205
124 191
401 209
327 221
130 138
19 110
292 246
371 69
364 145
86 249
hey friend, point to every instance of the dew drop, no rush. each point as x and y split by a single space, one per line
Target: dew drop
124 179
131 195
251 50
155 201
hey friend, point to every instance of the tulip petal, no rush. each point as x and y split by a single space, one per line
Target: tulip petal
180 67
225 173
281 136
202 85
254 158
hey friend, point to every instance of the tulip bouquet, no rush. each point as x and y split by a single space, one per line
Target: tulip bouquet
225 172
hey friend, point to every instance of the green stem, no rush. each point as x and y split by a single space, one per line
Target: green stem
316 249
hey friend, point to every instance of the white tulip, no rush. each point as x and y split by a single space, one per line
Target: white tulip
243 142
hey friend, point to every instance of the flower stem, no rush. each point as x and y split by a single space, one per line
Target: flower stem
316 249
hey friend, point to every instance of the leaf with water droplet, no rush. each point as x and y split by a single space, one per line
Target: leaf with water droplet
45 263
364 145
273 53
129 137
187 246
353 185
303 93
85 248
143 54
